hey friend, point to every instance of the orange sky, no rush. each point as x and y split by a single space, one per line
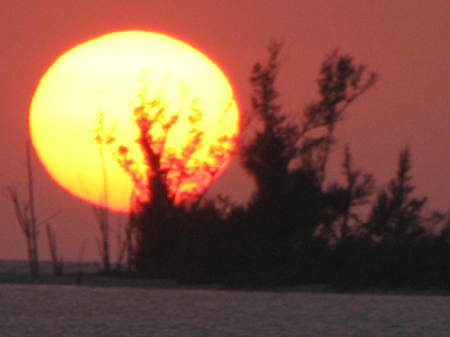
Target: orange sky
404 41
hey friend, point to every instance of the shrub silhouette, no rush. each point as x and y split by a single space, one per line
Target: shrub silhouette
169 188
288 161
396 216
298 227
393 248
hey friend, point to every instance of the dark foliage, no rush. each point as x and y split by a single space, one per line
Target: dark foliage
394 248
297 227
396 216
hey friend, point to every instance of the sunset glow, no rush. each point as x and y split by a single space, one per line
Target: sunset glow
85 113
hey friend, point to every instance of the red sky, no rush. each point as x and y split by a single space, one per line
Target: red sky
404 41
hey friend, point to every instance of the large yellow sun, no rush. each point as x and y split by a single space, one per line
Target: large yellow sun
86 110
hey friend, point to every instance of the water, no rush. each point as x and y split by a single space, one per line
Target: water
65 310
21 267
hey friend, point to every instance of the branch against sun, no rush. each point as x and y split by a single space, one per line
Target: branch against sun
107 72
179 159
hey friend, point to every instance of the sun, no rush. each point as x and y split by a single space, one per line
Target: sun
84 117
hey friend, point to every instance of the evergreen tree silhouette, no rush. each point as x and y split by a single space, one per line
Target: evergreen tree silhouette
282 154
396 215
266 158
340 220
288 161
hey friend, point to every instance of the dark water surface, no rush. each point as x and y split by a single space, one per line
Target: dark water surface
58 310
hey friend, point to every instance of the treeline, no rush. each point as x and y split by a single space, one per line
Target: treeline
299 226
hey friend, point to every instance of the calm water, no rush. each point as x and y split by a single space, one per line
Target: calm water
27 310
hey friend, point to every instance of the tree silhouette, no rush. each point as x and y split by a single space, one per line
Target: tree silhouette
340 219
101 212
396 215
288 161
298 226
172 180
57 260
395 246
26 216
340 83
266 158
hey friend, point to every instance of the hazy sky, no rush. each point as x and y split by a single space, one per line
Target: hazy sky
404 41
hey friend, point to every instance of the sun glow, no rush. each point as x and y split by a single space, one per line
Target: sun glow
88 109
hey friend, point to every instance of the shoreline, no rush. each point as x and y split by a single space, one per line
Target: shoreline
106 281
17 272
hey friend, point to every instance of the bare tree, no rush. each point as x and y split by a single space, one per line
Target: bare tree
103 243
101 212
26 216
57 260
124 242
130 242
80 262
